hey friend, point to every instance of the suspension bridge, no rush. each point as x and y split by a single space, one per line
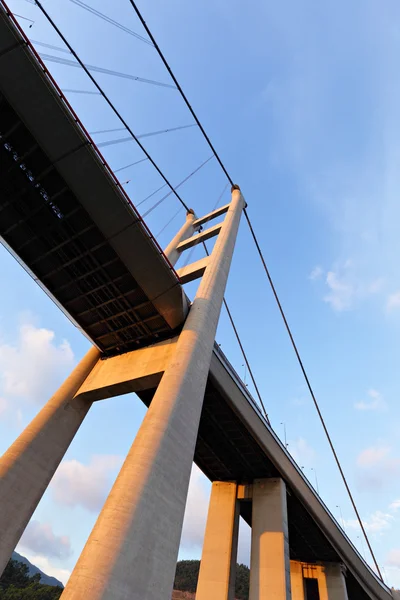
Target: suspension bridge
67 220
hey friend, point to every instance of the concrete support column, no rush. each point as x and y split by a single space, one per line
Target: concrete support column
29 464
270 562
332 582
218 560
185 232
131 553
296 580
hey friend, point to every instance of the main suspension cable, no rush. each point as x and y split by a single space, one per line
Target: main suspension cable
310 389
246 360
249 224
267 272
182 93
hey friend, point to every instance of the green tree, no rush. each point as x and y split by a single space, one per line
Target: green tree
187 574
15 584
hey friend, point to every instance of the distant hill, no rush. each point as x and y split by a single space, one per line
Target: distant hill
45 579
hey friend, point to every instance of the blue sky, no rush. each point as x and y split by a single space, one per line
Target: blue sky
301 101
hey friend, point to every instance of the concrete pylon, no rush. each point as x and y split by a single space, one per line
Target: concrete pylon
218 559
132 551
296 580
332 582
28 465
269 562
329 575
185 232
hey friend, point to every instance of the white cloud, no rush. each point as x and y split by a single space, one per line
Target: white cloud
39 538
393 301
47 567
316 273
352 177
376 523
347 287
370 457
33 366
394 506
196 511
341 293
76 484
376 403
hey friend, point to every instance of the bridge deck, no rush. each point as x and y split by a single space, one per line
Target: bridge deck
65 216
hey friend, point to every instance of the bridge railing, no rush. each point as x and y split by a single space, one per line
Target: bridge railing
222 357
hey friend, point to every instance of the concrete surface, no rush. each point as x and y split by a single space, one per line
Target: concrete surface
132 551
27 467
269 562
185 231
218 559
134 371
296 580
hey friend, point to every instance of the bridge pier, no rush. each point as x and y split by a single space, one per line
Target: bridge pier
131 553
27 467
332 582
218 560
297 580
329 577
269 562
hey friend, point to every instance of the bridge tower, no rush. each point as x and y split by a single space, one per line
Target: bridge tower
132 550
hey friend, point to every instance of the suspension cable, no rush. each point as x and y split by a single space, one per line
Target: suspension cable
182 93
66 91
249 224
242 350
110 20
310 389
178 186
143 135
130 165
192 249
111 105
151 195
71 63
168 223
268 275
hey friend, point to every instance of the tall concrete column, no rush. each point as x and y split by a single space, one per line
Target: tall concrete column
185 232
218 560
269 562
332 582
296 580
29 464
131 553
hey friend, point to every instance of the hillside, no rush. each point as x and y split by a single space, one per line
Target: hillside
45 579
187 573
17 584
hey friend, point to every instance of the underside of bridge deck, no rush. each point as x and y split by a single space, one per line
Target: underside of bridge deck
65 216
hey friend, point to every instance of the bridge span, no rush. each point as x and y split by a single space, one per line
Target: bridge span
67 220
